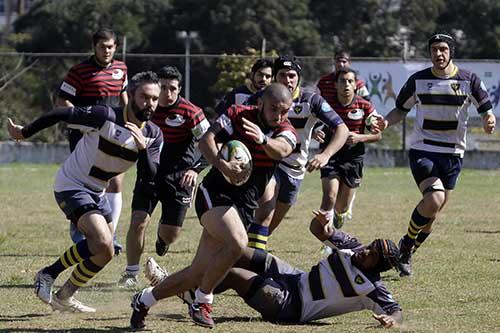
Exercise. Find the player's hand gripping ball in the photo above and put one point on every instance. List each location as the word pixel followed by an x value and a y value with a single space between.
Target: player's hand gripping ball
pixel 235 150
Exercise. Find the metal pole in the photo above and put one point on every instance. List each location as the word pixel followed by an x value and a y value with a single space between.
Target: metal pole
pixel 124 48
pixel 263 48
pixel 403 132
pixel 187 68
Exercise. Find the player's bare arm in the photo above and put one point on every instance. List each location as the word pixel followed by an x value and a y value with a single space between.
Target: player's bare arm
pixel 15 131
pixel 276 148
pixel 380 124
pixel 389 321
pixel 337 141
pixel 320 227
pixel 209 147
pixel 136 133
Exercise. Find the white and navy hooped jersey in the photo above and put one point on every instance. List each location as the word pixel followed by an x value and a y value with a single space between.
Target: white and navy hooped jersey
pixel 107 148
pixel 442 108
pixel 305 111
pixel 335 286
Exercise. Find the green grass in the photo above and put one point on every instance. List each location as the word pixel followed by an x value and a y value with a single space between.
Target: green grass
pixel 456 287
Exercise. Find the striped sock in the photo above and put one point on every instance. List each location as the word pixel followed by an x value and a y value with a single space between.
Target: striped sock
pixel 84 272
pixel 421 237
pixel 416 224
pixel 257 236
pixel 74 255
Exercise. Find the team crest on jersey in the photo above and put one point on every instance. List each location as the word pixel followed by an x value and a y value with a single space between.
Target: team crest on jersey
pixel 175 120
pixel 455 86
pixel 325 107
pixel 297 108
pixel 117 74
pixel 429 85
pixel 359 279
pixel 117 134
pixel 355 114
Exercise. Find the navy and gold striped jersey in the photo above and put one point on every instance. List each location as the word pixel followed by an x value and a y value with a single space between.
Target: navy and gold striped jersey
pixel 327 86
pixel 442 108
pixel 88 83
pixel 239 96
pixel 335 286
pixel 182 125
pixel 106 149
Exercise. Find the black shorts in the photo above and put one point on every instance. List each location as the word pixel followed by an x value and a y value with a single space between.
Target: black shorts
pixel 175 200
pixel 207 199
pixel 347 169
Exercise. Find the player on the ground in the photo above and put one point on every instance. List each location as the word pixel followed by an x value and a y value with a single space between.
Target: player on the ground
pixel 308 108
pixel 99 80
pixel 114 140
pixel 260 77
pixel 348 280
pixel 441 95
pixel 344 171
pixel 223 208
pixel 182 124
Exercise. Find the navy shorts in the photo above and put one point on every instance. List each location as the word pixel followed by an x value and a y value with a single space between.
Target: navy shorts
pixel 76 203
pixel 175 200
pixel 425 164
pixel 278 298
pixel 288 187
pixel 347 169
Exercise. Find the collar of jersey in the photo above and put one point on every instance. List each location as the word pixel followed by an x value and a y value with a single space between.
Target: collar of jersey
pixel 453 73
pixel 296 93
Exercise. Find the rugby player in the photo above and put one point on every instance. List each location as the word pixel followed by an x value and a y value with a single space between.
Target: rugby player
pixel 260 77
pixel 114 139
pixel 99 80
pixel 307 109
pixel 182 124
pixel 441 95
pixel 344 171
pixel 223 208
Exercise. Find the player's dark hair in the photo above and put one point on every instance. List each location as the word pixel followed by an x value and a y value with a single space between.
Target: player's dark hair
pixel 442 37
pixel 261 63
pixel 170 73
pixel 388 254
pixel 140 79
pixel 342 54
pixel 103 34
pixel 345 70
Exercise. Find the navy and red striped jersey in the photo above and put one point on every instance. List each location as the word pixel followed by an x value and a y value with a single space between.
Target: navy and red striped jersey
pixel 88 83
pixel 327 86
pixel 232 123
pixel 182 125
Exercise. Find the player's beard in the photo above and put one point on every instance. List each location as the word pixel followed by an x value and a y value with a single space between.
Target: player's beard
pixel 142 114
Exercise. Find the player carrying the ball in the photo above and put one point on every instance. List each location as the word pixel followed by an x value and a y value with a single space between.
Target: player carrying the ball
pixel 224 208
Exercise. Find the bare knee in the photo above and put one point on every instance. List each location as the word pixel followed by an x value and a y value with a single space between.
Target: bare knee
pixel 434 201
pixel 103 247
pixel 139 221
pixel 169 234
pixel 235 247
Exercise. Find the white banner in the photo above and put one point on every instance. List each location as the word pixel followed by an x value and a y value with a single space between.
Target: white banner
pixel 384 79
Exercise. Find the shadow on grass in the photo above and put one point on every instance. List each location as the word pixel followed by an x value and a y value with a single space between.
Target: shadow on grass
pixel 31 255
pixel 24 317
pixel 75 330
pixel 484 231
pixel 11 286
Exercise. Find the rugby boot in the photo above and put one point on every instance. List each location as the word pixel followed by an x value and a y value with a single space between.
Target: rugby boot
pixel 405 260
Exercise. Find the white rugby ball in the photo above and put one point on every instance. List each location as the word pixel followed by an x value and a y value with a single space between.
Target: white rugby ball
pixel 236 150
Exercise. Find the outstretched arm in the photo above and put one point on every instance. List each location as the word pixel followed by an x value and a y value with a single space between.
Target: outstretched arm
pixel 387 321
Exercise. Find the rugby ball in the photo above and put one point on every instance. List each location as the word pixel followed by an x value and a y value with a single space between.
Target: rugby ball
pixel 237 151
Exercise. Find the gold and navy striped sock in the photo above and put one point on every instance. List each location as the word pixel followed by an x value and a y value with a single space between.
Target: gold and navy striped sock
pixel 416 224
pixel 84 272
pixel 74 255
pixel 421 237
pixel 257 236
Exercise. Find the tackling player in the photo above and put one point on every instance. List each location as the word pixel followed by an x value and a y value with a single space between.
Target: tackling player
pixel 442 95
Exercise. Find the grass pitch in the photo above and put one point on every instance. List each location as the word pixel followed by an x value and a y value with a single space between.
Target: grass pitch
pixel 456 287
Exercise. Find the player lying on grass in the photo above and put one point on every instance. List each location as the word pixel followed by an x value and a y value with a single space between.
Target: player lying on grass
pixel 348 280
